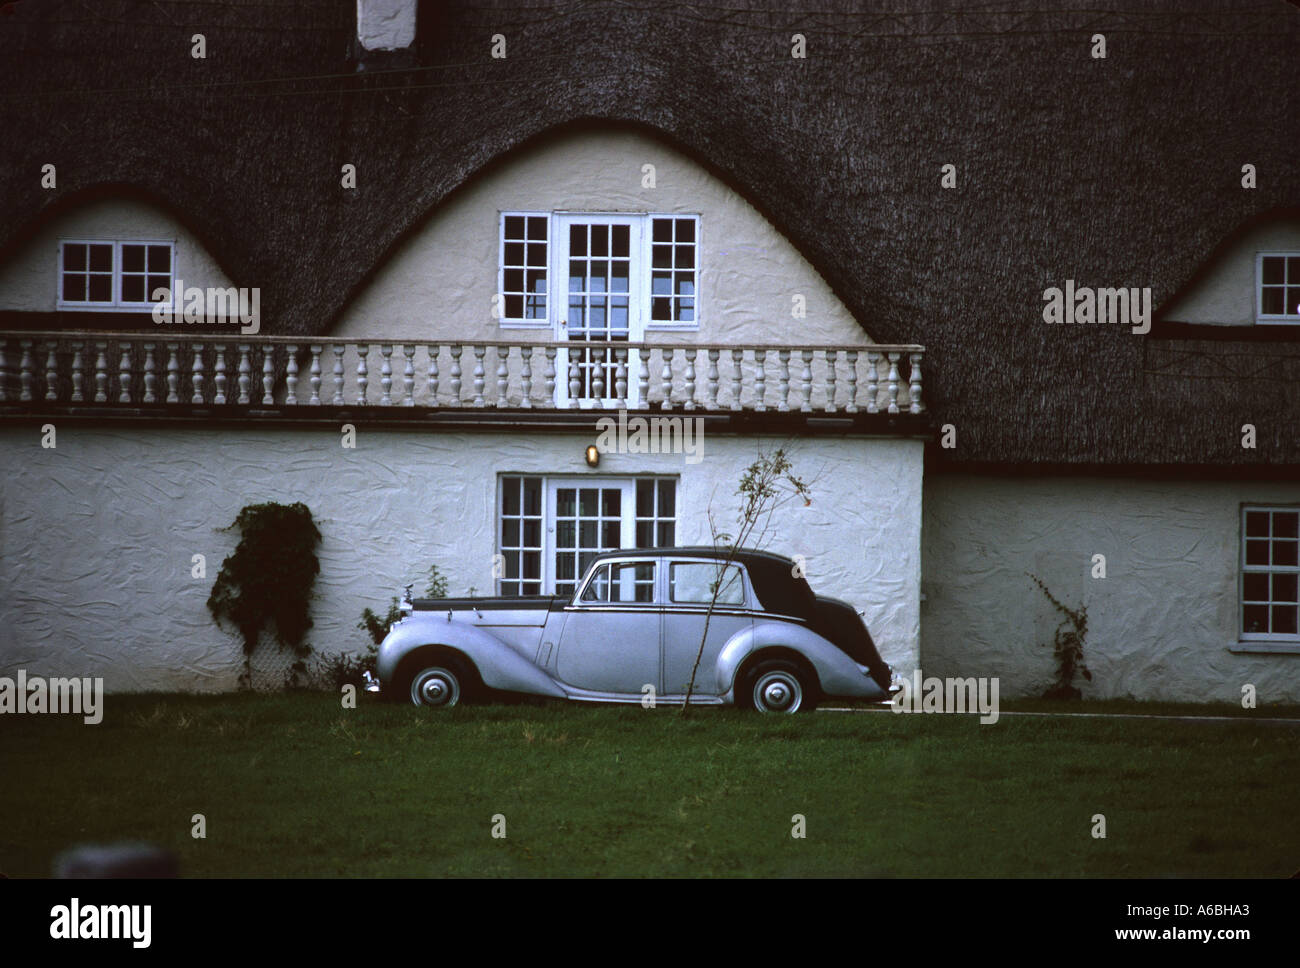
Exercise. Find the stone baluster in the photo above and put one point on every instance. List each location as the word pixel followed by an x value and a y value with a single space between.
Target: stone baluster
pixel 479 374
pixel 52 372
pixel 314 378
pixel 575 379
pixel 526 374
pixel 268 374
pixel 830 380
pixel 598 376
pixel 408 375
pixel 433 376
pixel 455 349
pixel 666 377
pixel 711 378
pixel 503 375
pixel 101 373
pixel 363 373
pixel 915 404
pixel 386 374
pixel 150 376
pixel 549 375
pixel 690 378
pixel 245 370
pixel 339 350
pixel 620 377
pixel 220 370
pixel 4 370
pixel 196 375
pixel 124 373
pixel 852 357
pixel 173 372
pixel 760 380
pixel 805 381
pixel 737 359
pixel 25 374
pixel 643 379
pixel 893 382
pixel 873 382
pixel 784 357
pixel 291 376
pixel 78 372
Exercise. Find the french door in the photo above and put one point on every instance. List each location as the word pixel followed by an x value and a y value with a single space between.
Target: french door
pixel 588 517
pixel 598 257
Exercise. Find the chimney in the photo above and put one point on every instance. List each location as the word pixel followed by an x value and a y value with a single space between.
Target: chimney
pixel 385 24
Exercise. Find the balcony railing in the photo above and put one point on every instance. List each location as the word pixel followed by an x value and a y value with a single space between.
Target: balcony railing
pixel 99 370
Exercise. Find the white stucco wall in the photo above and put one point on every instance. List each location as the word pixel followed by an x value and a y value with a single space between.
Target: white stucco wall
pixel 97 535
pixel 1226 295
pixel 440 282
pixel 29 281
pixel 1160 623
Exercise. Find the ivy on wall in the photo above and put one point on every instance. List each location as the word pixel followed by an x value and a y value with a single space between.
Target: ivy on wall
pixel 268 579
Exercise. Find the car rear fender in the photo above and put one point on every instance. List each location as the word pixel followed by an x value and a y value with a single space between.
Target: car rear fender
pixel 837 674
pixel 498 665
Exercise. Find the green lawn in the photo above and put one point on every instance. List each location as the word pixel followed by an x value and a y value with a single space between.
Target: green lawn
pixel 293 784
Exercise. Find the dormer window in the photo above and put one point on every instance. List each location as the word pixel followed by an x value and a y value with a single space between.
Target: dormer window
pixel 1278 288
pixel 98 274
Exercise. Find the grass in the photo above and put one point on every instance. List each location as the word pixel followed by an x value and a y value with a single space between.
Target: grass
pixel 295 785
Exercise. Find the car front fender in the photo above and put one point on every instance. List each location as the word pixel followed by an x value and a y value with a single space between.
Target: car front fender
pixel 837 674
pixel 498 665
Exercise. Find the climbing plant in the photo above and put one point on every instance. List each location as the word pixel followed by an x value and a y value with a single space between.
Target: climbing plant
pixel 1067 647
pixel 268 579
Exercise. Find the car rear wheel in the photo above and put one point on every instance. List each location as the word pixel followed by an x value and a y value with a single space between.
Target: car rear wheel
pixel 441 685
pixel 778 686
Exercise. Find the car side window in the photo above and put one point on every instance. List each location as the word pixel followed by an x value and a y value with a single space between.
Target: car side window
pixel 622 582
pixel 693 582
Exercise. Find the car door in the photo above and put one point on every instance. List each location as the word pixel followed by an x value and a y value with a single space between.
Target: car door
pixel 610 641
pixel 688 587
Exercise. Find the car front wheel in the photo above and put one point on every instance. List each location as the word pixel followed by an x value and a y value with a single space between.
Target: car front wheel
pixel 780 687
pixel 442 686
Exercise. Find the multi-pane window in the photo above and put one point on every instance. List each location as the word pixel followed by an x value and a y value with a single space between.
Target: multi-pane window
pixel 598 275
pixel 552 528
pixel 673 270
pixel 1279 287
pixel 521 535
pixel 656 512
pixel 95 274
pixel 1270 570
pixel 588 520
pixel 524 257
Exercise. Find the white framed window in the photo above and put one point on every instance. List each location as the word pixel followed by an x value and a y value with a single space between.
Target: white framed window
pixel 108 275
pixel 578 272
pixel 524 262
pixel 1270 571
pixel 550 528
pixel 1277 288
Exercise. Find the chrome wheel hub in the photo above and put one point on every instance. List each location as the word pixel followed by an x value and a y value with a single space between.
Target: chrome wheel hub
pixel 435 687
pixel 777 692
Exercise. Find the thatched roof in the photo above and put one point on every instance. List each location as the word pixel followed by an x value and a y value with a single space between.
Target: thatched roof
pixel 1117 172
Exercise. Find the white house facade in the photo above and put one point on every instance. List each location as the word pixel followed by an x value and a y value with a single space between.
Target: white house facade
pixel 425 277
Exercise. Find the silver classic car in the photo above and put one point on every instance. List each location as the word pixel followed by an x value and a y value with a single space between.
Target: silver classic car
pixel 632 632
